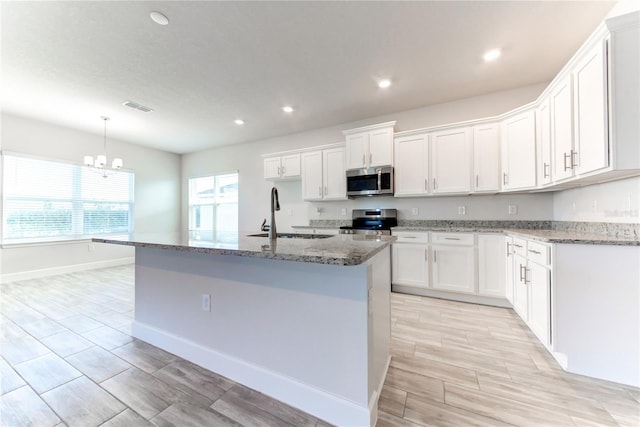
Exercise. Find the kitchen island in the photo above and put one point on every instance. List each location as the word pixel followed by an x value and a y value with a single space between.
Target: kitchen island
pixel 306 321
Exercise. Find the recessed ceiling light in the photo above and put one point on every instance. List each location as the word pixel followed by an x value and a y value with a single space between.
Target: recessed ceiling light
pixel 287 109
pixel 383 84
pixel 492 54
pixel 239 121
pixel 159 18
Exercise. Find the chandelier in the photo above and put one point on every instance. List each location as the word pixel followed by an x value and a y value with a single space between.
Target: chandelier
pixel 100 162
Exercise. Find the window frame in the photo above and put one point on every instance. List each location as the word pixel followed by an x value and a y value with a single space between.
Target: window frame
pixel 196 234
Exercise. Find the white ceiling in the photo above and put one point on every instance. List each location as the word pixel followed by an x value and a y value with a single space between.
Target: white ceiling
pixel 71 62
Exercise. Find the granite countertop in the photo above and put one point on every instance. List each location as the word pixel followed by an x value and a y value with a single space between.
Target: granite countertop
pixel 343 250
pixel 543 235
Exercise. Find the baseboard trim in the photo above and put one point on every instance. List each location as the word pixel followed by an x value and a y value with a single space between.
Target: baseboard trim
pixel 453 296
pixel 36 274
pixel 319 403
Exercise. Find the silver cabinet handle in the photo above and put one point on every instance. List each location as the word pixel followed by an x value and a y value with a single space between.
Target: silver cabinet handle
pixel 279 173
pixel 535 252
pixel 516 245
pixel 545 170
pixel 370 159
pixel 410 237
pixel 426 255
pixel 522 267
pixel 525 275
pixel 508 248
pixel 426 184
pixel 566 156
pixel 320 191
pixel 574 156
pixel 282 169
pixel 504 178
pixel 325 191
pixel 477 181
pixel 434 184
pixel 451 238
pixel 363 160
pixel 435 259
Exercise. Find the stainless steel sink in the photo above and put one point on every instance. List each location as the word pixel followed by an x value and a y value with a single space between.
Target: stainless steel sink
pixel 293 235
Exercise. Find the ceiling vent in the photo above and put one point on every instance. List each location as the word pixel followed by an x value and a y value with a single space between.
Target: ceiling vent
pixel 137 106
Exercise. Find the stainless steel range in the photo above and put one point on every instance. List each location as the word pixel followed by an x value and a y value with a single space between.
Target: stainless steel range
pixel 374 222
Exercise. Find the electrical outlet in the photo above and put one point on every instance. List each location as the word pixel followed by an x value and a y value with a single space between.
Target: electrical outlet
pixel 594 205
pixel 343 212
pixel 90 248
pixel 462 210
pixel 289 212
pixel 414 211
pixel 206 302
pixel 513 209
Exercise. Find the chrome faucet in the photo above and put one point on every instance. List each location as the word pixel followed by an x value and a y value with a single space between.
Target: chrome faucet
pixel 275 206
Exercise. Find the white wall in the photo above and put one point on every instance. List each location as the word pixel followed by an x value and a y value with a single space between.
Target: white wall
pixel 157 194
pixel 616 201
pixel 254 190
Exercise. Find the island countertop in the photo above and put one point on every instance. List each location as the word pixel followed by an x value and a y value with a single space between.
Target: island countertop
pixel 343 250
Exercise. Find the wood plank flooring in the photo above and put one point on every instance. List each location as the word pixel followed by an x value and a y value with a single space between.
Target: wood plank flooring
pixel 68 358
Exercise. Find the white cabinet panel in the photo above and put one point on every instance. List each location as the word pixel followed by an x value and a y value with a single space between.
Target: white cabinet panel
pixel 543 122
pixel 451 161
pixel 410 264
pixel 509 278
pixel 370 146
pixel 272 168
pixel 381 147
pixel 538 281
pixel 590 102
pixel 286 167
pixel 290 166
pixel 312 175
pixel 562 130
pixel 486 158
pixel 357 150
pixel 454 268
pixel 520 290
pixel 333 173
pixel 411 165
pixel 491 266
pixel 519 151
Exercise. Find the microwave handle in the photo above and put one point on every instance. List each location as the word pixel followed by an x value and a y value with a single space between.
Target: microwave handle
pixel 379 179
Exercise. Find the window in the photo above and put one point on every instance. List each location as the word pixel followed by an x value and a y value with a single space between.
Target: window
pixel 47 201
pixel 213 207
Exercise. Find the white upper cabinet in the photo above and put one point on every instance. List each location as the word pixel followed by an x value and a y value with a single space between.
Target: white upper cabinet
pixel 323 175
pixel 590 112
pixel 370 146
pixel 486 158
pixel 285 167
pixel 519 151
pixel 543 134
pixel 411 154
pixel 562 130
pixel 451 161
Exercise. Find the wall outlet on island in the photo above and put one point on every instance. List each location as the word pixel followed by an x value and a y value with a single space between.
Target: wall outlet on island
pixel 462 210
pixel 343 212
pixel 513 209
pixel 414 211
pixel 206 302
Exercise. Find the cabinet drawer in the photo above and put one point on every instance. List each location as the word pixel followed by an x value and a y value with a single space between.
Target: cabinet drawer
pixel 538 253
pixel 465 239
pixel 519 246
pixel 411 236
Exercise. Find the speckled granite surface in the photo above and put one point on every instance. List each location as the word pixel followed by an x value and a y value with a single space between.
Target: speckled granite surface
pixel 343 250
pixel 586 233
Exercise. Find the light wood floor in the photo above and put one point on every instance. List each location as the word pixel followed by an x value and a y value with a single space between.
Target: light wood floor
pixel 68 358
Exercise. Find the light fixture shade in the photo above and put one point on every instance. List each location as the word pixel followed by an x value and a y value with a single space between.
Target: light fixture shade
pixel 101 161
pixel 117 163
pixel 88 160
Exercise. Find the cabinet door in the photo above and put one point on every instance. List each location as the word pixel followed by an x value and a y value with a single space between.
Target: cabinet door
pixel 381 147
pixel 453 269
pixel 411 171
pixel 543 122
pixel 590 98
pixel 520 289
pixel 509 270
pixel 539 281
pixel 290 166
pixel 334 178
pixel 562 130
pixel 272 168
pixel 451 161
pixel 486 158
pixel 519 151
pixel 410 264
pixel 357 150
pixel 312 175
pixel 491 266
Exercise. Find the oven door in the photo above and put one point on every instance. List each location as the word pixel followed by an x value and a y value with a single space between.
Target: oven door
pixel 370 182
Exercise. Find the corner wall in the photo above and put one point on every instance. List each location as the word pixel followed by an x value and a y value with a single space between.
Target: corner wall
pixel 157 197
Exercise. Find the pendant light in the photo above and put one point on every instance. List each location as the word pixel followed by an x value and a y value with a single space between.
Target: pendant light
pixel 100 162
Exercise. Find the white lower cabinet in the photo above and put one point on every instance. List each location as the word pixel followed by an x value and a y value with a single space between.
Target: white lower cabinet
pixel 520 291
pixel 410 264
pixel 453 268
pixel 491 266
pixel 539 283
pixel 509 270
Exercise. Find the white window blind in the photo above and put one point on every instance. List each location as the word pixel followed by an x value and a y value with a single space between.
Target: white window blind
pixel 46 200
pixel 213 207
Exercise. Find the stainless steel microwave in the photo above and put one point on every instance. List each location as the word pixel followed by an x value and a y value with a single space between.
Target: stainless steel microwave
pixel 375 181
